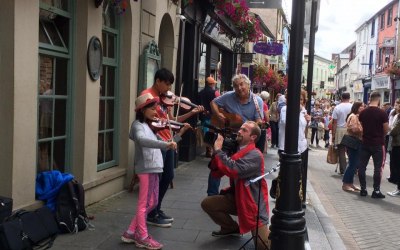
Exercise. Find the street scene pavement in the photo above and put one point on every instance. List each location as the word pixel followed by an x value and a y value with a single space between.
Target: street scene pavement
pixel 334 219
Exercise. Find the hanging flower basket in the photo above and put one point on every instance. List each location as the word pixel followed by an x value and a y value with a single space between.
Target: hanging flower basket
pixel 238 12
pixel 119 5
pixel 269 78
pixel 393 71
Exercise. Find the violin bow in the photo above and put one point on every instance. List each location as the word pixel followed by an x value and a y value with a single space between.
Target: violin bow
pixel 170 129
pixel 179 102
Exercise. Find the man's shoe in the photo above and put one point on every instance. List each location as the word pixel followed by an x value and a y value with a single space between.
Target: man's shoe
pixel 223 233
pixel 165 217
pixel 376 194
pixel 158 222
pixel 394 193
pixel 363 192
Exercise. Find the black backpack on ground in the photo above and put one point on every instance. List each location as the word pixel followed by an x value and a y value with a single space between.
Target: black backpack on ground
pixel 70 208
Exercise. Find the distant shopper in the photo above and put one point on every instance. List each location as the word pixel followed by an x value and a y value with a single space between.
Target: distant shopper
pixel 274 121
pixel 354 129
pixel 395 155
pixel 339 128
pixel 375 123
pixel 206 95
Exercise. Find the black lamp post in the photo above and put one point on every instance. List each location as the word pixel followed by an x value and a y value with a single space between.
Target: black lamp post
pixel 310 70
pixel 288 225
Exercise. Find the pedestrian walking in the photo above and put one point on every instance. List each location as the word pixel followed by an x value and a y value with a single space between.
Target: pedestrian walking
pixel 339 116
pixel 354 129
pixel 274 121
pixel 395 155
pixel 375 124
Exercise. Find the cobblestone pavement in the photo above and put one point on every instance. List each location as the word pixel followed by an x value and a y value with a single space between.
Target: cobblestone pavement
pixel 192 227
pixel 361 222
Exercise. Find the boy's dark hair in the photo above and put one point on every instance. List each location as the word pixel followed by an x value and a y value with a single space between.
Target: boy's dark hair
pixel 164 75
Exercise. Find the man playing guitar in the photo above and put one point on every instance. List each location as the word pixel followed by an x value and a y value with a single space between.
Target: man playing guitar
pixel 233 109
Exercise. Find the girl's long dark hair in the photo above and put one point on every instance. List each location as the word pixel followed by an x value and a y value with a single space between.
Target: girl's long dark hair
pixel 354 109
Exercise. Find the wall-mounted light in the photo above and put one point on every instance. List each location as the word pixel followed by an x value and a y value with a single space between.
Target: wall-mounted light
pixel 396 19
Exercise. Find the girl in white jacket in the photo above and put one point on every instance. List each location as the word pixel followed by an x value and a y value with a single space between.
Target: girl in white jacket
pixel 148 165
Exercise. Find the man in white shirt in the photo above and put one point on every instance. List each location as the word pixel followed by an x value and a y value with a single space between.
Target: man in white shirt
pixel 339 116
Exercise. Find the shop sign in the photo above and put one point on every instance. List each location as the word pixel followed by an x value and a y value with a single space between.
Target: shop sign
pixel 358 87
pixel 273 59
pixel 268 48
pixel 270 4
pixel 246 57
pixel 380 82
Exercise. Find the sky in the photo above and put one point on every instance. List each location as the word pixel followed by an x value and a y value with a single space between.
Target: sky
pixel 338 20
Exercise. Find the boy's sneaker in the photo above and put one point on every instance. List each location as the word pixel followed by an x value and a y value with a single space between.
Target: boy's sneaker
pixel 149 243
pixel 158 222
pixel 363 192
pixel 394 193
pixel 129 238
pixel 376 194
pixel 165 217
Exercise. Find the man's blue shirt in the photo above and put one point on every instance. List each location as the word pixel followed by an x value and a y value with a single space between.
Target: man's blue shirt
pixel 231 104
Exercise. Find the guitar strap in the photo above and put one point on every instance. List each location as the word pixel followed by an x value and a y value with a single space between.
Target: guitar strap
pixel 257 106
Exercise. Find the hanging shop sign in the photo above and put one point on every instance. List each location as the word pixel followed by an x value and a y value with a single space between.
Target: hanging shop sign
pixel 246 57
pixel 268 48
pixel 273 59
pixel 380 82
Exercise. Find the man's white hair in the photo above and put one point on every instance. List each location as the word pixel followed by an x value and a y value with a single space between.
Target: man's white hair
pixel 241 76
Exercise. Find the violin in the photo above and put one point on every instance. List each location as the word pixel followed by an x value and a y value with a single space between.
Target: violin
pixel 159 124
pixel 170 99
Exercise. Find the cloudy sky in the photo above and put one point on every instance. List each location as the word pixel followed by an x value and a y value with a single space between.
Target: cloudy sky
pixel 338 21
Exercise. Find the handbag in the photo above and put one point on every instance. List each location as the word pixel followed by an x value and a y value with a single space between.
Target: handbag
pixel 350 142
pixel 332 156
pixel 29 230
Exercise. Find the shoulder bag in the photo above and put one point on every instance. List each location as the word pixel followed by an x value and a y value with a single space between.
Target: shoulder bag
pixel 351 142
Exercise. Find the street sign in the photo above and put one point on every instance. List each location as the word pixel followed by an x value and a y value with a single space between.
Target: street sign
pixel 268 48
pixel 331 66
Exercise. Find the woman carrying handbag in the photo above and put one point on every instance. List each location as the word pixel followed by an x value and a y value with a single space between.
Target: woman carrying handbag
pixel 354 129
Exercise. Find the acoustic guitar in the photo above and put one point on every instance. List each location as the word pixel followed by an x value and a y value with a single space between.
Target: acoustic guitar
pixel 233 121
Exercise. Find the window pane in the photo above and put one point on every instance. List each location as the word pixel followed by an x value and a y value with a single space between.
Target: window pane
pixel 102 114
pixel 109 146
pixel 111 46
pixel 43 38
pixel 53 34
pixel 105 44
pixel 60 4
pixel 108 15
pixel 110 81
pixel 60 117
pixel 45 117
pixel 100 149
pixel 59 155
pixel 44 156
pixel 61 76
pixel 102 81
pixel 110 114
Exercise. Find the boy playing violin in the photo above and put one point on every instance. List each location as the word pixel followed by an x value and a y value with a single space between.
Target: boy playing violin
pixel 163 81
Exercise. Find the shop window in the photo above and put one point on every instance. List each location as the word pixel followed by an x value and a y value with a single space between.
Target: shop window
pixel 53 86
pixel 107 142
